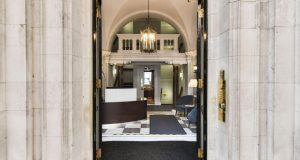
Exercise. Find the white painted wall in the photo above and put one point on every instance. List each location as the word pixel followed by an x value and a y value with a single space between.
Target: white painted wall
pixel 138 74
pixel 166 81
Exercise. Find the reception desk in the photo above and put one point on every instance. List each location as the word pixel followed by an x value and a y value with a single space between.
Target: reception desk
pixel 120 112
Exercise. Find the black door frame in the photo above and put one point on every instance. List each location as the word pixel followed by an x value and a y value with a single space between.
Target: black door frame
pixel 202 70
pixel 202 48
pixel 97 78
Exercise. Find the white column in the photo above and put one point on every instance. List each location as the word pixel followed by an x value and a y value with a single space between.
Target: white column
pixel 297 84
pixel 34 79
pixel 82 80
pixel 15 79
pixel 285 11
pixel 248 71
pixel 191 58
pixel 133 44
pixel 162 44
pixel 120 44
pixel 176 44
pixel 157 85
pixel 3 123
pixel 53 51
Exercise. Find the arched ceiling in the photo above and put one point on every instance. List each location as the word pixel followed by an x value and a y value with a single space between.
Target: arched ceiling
pixel 179 13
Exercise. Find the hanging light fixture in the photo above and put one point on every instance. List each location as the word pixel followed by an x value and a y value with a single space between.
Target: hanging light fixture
pixel 148 37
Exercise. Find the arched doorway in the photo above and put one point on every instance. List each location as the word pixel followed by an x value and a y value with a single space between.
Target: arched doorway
pixel 201 75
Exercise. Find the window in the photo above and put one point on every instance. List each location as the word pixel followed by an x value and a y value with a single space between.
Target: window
pixel 123 47
pixel 127 44
pixel 169 44
pixel 147 78
pixel 137 44
pixel 158 44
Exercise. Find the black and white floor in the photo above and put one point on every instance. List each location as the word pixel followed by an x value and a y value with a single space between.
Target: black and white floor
pixel 139 130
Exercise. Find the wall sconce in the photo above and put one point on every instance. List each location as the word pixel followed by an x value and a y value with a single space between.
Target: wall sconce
pixel 94 36
pixel 181 75
pixel 222 96
pixel 204 35
pixel 193 83
pixel 195 68
pixel 114 71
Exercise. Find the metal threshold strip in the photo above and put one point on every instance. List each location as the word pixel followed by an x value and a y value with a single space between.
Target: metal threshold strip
pixel 148 137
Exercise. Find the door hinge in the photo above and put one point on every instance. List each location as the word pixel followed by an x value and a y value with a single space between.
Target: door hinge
pixel 98 153
pixel 98 83
pixel 200 153
pixel 98 12
pixel 200 83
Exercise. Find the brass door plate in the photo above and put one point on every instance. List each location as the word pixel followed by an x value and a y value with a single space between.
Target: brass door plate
pixel 98 84
pixel 200 83
pixel 98 153
pixel 200 153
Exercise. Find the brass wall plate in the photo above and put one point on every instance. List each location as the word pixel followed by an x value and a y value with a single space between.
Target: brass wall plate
pixel 222 96
pixel 221 114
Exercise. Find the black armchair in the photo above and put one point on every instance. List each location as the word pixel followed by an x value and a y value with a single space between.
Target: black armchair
pixel 192 116
pixel 182 101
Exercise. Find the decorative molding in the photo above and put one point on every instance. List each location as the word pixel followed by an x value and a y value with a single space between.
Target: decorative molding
pixel 169 58
pixel 135 37
pixel 191 53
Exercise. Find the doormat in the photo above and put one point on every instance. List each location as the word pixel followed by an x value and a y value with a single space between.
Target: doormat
pixel 165 124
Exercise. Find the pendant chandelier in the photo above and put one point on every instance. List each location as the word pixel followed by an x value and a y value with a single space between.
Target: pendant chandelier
pixel 148 37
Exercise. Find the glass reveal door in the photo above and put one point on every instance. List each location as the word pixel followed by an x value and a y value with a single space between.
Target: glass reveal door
pixel 149 86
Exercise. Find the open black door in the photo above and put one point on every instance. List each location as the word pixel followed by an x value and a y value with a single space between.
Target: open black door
pixel 202 80
pixel 97 80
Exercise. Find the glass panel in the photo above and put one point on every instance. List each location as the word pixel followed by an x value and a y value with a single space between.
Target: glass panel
pixel 123 44
pixel 147 78
pixel 137 44
pixel 130 44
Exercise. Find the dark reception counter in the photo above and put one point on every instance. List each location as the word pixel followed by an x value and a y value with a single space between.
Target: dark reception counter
pixel 120 112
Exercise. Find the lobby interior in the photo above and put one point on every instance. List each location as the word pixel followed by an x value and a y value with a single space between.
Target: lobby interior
pixel 58 58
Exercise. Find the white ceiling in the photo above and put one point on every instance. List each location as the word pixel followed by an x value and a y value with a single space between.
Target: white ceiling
pixel 179 13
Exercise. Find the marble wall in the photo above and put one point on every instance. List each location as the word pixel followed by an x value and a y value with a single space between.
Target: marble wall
pixel 255 42
pixel 45 79
pixel 3 141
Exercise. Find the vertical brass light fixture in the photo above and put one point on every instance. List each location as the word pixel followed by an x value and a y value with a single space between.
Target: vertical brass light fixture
pixel 148 37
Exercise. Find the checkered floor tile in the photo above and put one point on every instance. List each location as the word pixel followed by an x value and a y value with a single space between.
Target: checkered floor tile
pixel 142 127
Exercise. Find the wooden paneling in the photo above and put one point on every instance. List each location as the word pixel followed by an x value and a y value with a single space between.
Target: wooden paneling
pixel 119 112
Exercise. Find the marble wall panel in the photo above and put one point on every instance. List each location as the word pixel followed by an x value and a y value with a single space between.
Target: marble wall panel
pixel 248 148
pixel 15 13
pixel 249 42
pixel 283 148
pixel 3 132
pixel 248 69
pixel 15 53
pixel 248 14
pixel 16 134
pixel 284 12
pixel 284 54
